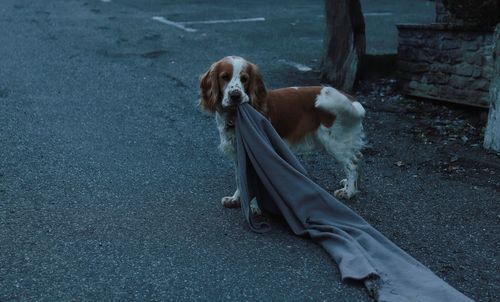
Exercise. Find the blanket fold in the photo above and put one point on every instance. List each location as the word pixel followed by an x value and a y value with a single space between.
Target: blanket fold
pixel 269 172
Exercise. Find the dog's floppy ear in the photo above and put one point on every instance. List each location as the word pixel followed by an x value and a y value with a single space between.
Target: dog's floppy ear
pixel 257 89
pixel 209 90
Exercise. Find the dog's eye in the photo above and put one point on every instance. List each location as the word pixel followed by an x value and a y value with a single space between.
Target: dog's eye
pixel 225 77
pixel 244 79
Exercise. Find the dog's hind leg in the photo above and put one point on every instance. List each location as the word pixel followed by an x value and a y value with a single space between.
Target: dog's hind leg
pixel 345 139
pixel 351 184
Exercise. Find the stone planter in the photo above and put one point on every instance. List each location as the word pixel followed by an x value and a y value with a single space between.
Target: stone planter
pixel 446 62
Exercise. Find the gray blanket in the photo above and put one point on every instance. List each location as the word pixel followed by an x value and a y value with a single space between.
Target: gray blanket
pixel 269 172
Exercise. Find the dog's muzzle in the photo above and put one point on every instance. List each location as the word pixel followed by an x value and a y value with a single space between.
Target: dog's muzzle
pixel 235 96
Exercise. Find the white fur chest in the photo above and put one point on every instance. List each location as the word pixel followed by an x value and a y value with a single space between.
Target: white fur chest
pixel 227 136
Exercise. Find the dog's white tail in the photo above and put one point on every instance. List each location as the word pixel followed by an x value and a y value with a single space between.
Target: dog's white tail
pixel 334 102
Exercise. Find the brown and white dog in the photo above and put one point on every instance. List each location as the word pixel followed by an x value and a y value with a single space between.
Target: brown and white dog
pixel 315 116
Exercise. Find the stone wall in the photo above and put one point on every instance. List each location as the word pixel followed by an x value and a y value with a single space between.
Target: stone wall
pixel 468 13
pixel 444 62
pixel 444 16
pixel 492 133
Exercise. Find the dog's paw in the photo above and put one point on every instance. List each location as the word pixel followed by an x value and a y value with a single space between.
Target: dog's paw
pixel 344 194
pixel 254 208
pixel 230 202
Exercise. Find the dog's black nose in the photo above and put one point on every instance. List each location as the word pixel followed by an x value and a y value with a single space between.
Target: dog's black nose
pixel 235 95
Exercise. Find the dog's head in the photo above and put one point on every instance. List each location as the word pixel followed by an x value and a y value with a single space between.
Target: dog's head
pixel 231 81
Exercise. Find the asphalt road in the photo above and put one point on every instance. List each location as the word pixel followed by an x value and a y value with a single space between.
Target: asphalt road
pixel 110 179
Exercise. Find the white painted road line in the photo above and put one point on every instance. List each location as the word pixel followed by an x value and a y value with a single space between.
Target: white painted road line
pixel 225 21
pixel 300 67
pixel 377 14
pixel 174 24
pixel 181 25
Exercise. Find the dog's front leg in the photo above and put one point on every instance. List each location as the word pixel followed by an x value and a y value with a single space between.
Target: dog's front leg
pixel 233 201
pixel 228 147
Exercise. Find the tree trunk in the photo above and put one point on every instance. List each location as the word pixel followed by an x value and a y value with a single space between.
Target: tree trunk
pixel 344 43
pixel 492 134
